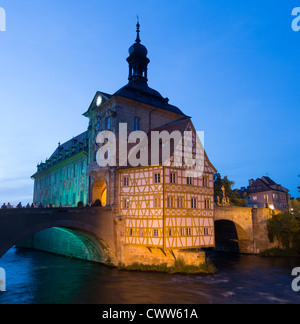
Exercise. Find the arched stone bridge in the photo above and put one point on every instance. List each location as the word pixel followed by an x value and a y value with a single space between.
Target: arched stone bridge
pixel 242 229
pixel 94 225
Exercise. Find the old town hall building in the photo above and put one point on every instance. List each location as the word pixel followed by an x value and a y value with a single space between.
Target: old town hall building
pixel 161 205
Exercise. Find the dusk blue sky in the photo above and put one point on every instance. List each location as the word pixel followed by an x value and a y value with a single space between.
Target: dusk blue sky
pixel 231 65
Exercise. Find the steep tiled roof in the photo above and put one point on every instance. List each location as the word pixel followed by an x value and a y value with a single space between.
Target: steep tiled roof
pixel 73 146
pixel 142 93
pixel 265 184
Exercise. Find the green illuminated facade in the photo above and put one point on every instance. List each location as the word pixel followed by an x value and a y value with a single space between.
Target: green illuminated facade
pixel 63 178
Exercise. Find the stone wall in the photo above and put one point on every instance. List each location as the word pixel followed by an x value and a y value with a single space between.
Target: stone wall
pixel 154 256
pixel 260 218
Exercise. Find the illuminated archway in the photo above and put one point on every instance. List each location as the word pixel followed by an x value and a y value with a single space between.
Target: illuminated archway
pixel 100 192
pixel 68 242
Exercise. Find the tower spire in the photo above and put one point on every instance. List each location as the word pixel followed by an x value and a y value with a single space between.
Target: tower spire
pixel 138 40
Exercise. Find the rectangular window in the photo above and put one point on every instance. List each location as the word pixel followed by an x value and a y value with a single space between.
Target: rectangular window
pixel 108 123
pixel 126 203
pixel 172 178
pixel 180 202
pixel 125 182
pixel 170 202
pixel 141 232
pixel 68 173
pixel 205 182
pixel 155 233
pixel 157 178
pixel 170 232
pixel 189 181
pixel 194 203
pixel 182 231
pixel 131 232
pixel 207 204
pixel 137 124
pixel 83 166
pixel 156 202
pixel 75 170
pixel 206 231
pixel 188 232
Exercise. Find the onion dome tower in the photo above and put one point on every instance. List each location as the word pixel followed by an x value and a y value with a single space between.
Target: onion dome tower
pixel 138 60
pixel 137 88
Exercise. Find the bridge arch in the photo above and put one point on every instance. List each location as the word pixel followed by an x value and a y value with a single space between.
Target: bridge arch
pixel 234 229
pixel 69 242
pixel 93 227
pixel 231 237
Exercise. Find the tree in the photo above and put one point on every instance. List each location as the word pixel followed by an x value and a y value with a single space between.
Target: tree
pixel 295 207
pixel 235 198
pixel 285 229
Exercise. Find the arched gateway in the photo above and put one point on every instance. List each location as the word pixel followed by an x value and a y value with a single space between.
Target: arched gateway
pixel 99 192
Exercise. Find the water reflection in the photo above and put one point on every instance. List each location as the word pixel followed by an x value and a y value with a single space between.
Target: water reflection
pixel 37 277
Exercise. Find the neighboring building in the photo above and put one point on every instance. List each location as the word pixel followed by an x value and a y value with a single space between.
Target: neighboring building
pixel 264 193
pixel 162 206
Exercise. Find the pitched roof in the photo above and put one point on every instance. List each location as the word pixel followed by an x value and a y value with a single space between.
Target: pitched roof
pixel 71 147
pixel 265 184
pixel 268 181
pixel 141 92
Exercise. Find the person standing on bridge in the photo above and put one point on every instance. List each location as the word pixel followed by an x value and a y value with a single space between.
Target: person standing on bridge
pixel 4 206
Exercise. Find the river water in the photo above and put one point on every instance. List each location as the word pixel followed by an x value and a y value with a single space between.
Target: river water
pixel 34 277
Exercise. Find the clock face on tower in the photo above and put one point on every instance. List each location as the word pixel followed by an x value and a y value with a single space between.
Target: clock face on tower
pixel 99 101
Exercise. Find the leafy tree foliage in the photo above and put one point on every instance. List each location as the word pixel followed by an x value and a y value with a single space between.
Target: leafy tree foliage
pixel 285 229
pixel 295 207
